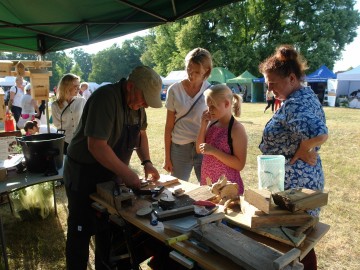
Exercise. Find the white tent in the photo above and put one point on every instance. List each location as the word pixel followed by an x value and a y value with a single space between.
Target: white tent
pixel 348 82
pixel 93 86
pixel 9 81
pixel 174 76
pixel 351 75
pixel 349 85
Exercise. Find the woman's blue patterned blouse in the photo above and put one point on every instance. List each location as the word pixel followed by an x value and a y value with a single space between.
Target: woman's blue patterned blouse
pixel 301 117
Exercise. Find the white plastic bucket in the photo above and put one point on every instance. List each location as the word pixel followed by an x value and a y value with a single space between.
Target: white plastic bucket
pixel 271 172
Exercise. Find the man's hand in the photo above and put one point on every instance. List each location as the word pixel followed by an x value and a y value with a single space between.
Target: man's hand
pixel 131 179
pixel 151 173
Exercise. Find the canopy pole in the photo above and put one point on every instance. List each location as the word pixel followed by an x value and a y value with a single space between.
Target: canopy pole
pixel 41 58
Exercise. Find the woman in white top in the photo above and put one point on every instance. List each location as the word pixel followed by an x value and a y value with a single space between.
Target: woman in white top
pixel 29 107
pixel 67 109
pixel 28 104
pixel 16 93
pixel 185 105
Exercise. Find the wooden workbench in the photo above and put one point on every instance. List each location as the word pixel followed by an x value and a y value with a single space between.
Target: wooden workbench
pixel 208 260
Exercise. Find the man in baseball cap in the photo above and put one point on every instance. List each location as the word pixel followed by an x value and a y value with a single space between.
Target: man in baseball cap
pixel 113 124
pixel 149 82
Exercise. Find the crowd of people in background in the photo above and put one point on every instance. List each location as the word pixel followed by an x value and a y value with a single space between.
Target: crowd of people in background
pixel 201 133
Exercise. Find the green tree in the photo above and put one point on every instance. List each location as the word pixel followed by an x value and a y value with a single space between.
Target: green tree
pixel 116 62
pixel 76 69
pixel 243 34
pixel 83 59
pixel 61 64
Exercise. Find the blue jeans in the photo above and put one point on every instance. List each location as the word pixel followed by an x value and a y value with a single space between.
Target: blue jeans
pixel 184 158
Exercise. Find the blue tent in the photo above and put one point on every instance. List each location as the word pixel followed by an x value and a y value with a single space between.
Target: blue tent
pixel 320 75
pixel 259 80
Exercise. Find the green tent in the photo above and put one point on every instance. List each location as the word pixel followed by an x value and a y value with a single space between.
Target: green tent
pixel 255 92
pixel 46 26
pixel 245 77
pixel 220 75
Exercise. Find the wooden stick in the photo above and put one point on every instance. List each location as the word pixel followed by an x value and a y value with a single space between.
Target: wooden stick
pixel 286 259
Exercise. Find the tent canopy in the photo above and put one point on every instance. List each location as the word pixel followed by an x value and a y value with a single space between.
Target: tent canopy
pixel 174 76
pixel 351 75
pixel 322 74
pixel 220 75
pixel 245 77
pixel 45 26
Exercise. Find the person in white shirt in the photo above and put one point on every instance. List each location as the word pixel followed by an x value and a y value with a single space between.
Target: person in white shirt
pixel 185 105
pixel 85 89
pixel 29 107
pixel 68 107
pixel 16 93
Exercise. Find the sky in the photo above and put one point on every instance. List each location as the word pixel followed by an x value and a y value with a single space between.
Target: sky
pixel 350 55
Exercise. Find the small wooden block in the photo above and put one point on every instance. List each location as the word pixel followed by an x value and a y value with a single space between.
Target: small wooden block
pixel 106 192
pixel 260 198
pixel 165 180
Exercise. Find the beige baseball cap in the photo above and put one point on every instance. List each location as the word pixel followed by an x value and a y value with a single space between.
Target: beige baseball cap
pixel 147 80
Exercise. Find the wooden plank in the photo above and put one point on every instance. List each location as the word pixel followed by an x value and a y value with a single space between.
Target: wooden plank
pixel 283 235
pixel 33 63
pixel 241 249
pixel 312 202
pixel 260 198
pixel 249 209
pixel 301 199
pixel 295 219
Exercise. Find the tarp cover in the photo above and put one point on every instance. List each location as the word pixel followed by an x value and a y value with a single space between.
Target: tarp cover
pixel 220 75
pixel 43 26
pixel 321 75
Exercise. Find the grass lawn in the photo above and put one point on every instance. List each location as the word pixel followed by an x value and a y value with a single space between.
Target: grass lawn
pixel 40 244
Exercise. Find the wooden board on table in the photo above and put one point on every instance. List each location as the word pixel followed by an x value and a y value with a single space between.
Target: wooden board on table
pixel 241 249
pixel 281 234
pixel 165 180
pixel 300 199
pixel 260 198
pixel 269 221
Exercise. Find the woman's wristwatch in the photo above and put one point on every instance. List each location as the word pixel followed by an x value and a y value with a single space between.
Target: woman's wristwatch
pixel 146 161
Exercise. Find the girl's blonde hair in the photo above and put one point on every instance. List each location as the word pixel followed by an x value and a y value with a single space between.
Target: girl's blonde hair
pixel 64 87
pixel 219 92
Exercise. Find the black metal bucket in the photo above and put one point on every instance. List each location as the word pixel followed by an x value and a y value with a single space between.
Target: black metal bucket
pixel 43 152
